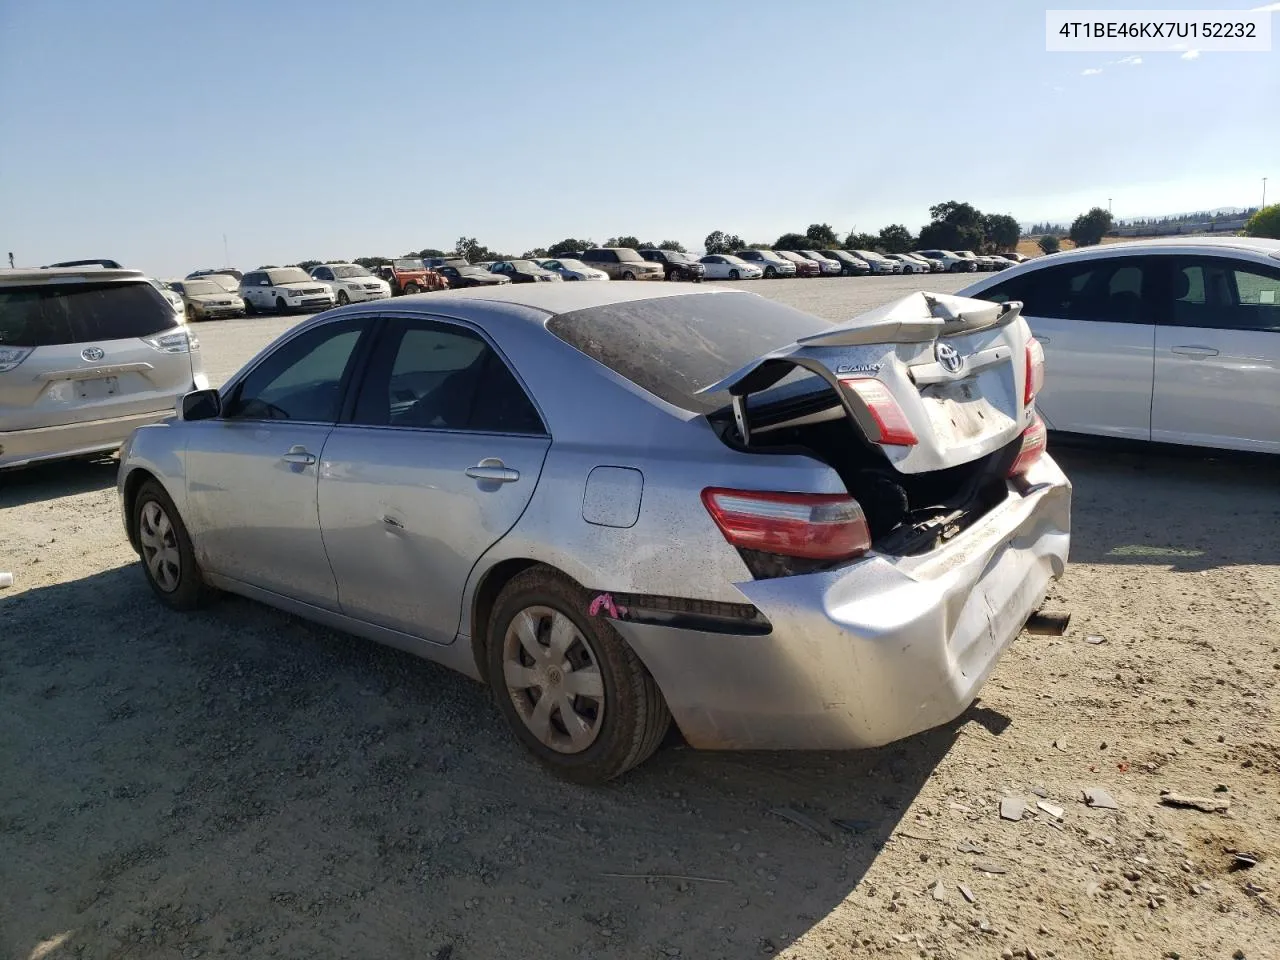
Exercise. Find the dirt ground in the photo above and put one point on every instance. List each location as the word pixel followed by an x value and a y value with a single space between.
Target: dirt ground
pixel 241 783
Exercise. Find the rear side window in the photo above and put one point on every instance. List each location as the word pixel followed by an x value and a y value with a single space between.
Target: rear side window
pixel 44 316
pixel 1115 291
pixel 1216 293
pixel 674 346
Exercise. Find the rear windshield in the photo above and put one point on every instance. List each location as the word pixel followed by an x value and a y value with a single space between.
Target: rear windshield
pixel 675 346
pixel 44 316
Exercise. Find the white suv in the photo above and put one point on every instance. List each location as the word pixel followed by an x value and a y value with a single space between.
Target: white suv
pixel 282 289
pixel 85 357
pixel 351 283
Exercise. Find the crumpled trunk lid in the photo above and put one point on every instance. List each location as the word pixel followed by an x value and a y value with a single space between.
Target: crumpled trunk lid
pixel 956 368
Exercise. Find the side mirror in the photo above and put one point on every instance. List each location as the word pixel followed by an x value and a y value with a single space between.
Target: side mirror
pixel 201 405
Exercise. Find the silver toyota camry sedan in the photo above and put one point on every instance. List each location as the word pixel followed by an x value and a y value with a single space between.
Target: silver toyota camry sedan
pixel 620 505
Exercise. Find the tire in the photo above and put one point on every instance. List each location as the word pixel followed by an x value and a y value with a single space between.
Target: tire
pixel 281 306
pixel 410 289
pixel 343 299
pixel 770 273
pixel 628 275
pixel 734 275
pixel 629 718
pixel 168 561
pixel 249 308
pixel 191 315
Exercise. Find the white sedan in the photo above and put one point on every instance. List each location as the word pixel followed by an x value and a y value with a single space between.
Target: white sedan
pixel 1174 340
pixel 725 266
pixel 351 283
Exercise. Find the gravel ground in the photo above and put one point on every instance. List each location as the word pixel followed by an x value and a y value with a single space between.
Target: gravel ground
pixel 238 782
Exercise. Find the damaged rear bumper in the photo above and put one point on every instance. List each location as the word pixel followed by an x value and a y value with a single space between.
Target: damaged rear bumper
pixel 872 652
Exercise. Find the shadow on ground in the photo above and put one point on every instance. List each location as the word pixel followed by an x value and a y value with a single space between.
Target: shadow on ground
pixel 1179 509
pixel 52 481
pixel 237 780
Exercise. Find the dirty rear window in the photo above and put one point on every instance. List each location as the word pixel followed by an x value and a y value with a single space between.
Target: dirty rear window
pixel 675 346
pixel 45 315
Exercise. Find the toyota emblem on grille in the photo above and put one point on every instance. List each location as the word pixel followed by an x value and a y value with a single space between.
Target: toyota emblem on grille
pixel 93 353
pixel 948 357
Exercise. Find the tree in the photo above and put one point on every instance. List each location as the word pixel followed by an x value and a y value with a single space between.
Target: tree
pixel 371 263
pixel 896 238
pixel 268 266
pixel 821 237
pixel 569 245
pixel 793 241
pixel 631 242
pixel 673 245
pixel 1264 223
pixel 1002 231
pixel 1088 229
pixel 954 226
pixel 537 253
pixel 429 252
pixel 861 241
pixel 473 251
pixel 1049 244
pixel 717 241
pixel 308 264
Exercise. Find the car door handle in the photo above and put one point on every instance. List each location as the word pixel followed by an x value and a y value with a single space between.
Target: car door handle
pixel 1198 353
pixel 300 455
pixel 493 469
pixel 1038 338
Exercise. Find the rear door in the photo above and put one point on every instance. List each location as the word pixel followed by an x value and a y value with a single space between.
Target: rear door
pixel 1217 358
pixel 436 462
pixel 77 351
pixel 1095 320
pixel 251 490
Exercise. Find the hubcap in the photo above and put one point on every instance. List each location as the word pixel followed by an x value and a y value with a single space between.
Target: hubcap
pixel 159 547
pixel 553 678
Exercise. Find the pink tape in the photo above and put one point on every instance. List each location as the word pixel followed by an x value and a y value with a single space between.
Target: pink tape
pixel 605 601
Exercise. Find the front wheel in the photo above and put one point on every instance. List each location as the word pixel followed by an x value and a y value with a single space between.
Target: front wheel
pixel 410 289
pixel 628 275
pixel 249 308
pixel 343 299
pixel 570 688
pixel 770 273
pixel 168 559
pixel 734 275
pixel 281 306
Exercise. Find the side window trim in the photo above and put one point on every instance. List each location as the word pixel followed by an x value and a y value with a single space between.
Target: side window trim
pixel 230 391
pixel 385 322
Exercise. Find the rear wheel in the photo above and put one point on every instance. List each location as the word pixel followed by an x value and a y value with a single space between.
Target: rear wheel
pixel 167 557
pixel 573 692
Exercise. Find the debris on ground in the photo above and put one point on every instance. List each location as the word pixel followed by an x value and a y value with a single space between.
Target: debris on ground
pixel 1012 808
pixel 1052 809
pixel 6 580
pixel 801 820
pixel 966 893
pixel 1095 639
pixel 1099 799
pixel 854 826
pixel 1169 798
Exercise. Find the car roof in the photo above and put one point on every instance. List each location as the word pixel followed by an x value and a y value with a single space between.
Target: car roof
pixel 27 276
pixel 1258 245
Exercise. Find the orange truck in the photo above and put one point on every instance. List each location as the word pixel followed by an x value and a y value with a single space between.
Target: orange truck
pixel 408 276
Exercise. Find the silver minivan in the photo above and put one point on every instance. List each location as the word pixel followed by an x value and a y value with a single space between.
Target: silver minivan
pixel 85 357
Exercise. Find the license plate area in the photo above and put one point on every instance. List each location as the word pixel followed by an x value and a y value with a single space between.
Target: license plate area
pixel 959 410
pixel 98 388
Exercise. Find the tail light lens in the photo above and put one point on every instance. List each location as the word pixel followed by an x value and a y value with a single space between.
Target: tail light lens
pixel 815 526
pixel 1035 372
pixel 181 342
pixel 884 410
pixel 10 357
pixel 1035 439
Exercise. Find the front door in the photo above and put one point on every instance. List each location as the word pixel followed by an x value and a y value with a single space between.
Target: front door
pixel 1217 369
pixel 251 493
pixel 437 462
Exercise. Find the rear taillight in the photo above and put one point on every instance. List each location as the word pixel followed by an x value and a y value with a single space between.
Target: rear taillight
pixel 10 357
pixel 1035 372
pixel 1035 439
pixel 181 342
pixel 816 526
pixel 884 410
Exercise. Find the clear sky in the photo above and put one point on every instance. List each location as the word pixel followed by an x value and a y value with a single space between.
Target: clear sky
pixel 144 130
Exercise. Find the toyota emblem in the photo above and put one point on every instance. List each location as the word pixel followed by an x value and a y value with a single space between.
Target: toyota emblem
pixel 93 353
pixel 948 357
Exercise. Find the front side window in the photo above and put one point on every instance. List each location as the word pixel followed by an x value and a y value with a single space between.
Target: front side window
pixel 430 375
pixel 302 379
